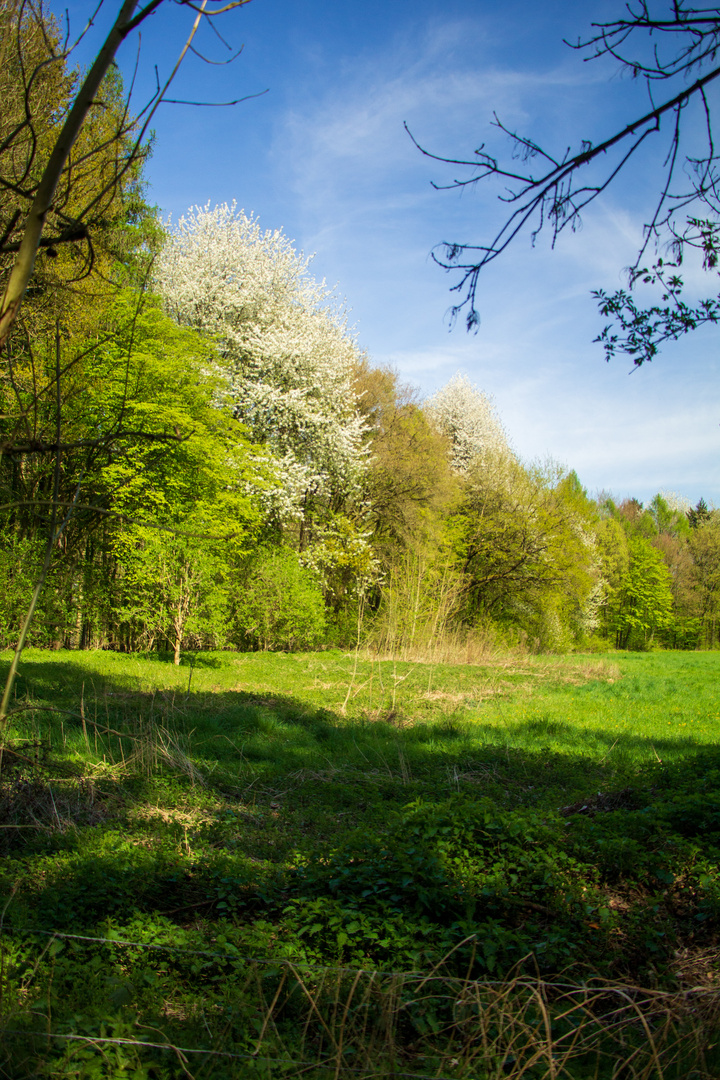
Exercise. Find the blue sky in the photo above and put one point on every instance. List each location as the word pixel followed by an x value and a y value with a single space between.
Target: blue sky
pixel 323 154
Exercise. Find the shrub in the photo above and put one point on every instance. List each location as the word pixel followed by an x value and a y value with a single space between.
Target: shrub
pixel 280 605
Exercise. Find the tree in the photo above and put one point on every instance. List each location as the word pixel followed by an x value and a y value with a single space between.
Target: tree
pixel 467 418
pixel 173 587
pixel 409 484
pixel 281 604
pixel 669 512
pixel 643 603
pixel 46 182
pixel 671 46
pixel 698 514
pixel 612 546
pixel 525 540
pixel 286 349
pixel 50 179
pixel 158 523
pixel 183 519
pixel 409 490
pixel 705 550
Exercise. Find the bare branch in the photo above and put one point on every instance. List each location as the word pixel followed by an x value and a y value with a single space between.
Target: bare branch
pixel 23 268
pixel 554 196
pixel 215 104
pixel 42 203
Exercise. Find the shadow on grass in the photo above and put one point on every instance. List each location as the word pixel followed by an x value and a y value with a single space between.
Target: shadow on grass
pixel 200 805
pixel 242 739
pixel 187 659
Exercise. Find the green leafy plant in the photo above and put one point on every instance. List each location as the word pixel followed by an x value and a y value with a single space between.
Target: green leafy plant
pixel 280 604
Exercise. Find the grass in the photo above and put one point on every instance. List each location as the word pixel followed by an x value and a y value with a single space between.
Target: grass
pixel 291 844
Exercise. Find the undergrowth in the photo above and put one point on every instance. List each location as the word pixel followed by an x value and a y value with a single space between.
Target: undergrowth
pixel 369 869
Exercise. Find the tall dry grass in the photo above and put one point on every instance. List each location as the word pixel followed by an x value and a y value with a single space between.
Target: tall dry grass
pixel 418 618
pixel 511 1028
pixel 348 1023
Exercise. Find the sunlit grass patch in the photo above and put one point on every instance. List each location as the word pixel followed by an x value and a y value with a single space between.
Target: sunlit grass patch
pixel 663 706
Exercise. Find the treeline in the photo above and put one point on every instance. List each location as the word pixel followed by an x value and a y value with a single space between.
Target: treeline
pixel 196 454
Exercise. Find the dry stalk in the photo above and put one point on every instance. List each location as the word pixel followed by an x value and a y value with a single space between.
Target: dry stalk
pixel 517 1028
pixel 512 1028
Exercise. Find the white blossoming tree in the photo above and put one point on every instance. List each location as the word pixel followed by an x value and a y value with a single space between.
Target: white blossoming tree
pixel 284 345
pixel 467 417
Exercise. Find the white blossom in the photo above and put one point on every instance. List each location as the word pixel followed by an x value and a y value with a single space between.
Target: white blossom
pixel 284 344
pixel 679 504
pixel 467 417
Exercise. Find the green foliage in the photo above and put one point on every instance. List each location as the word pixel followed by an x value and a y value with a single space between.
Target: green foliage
pixel 20 561
pixel 343 559
pixel 669 519
pixel 100 192
pixel 212 841
pixel 409 483
pixel 704 547
pixel 164 517
pixel 169 513
pixel 698 514
pixel 460 867
pixel 644 602
pixel 190 521
pixel 279 604
pixel 525 541
pixel 684 543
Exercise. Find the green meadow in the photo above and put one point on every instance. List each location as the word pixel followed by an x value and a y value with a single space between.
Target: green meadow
pixel 265 864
